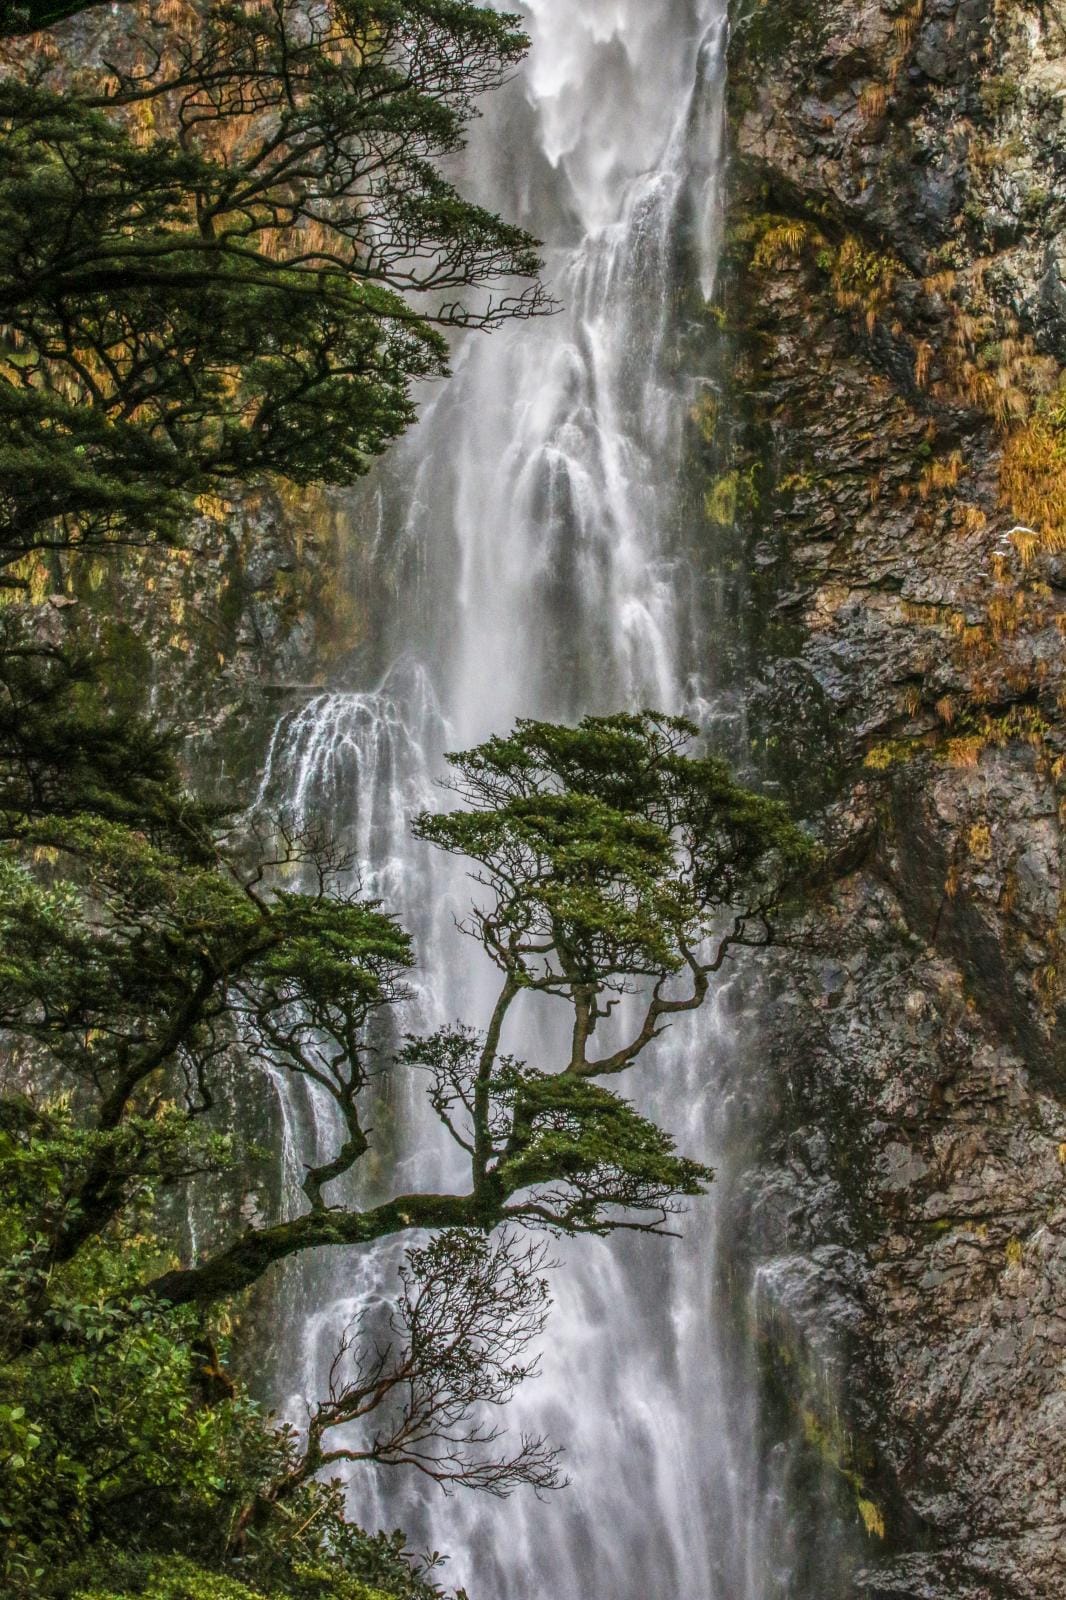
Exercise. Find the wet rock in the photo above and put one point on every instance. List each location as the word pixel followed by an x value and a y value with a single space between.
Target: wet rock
pixel 1053 287
pixel 922 1042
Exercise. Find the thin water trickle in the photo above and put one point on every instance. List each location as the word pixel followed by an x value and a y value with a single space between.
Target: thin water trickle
pixel 533 528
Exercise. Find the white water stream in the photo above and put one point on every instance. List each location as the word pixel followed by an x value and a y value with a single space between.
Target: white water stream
pixel 534 561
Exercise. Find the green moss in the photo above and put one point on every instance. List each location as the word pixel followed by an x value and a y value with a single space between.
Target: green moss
pixel 704 415
pixel 825 1434
pixel 720 501
pixel 796 483
pixel 872 1518
pixel 999 94
pixel 766 29
pixel 891 753
pixel 730 493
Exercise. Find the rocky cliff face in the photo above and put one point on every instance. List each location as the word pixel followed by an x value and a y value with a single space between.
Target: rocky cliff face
pixel 897 310
pixel 218 637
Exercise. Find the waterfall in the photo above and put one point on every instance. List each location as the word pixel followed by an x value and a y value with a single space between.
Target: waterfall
pixel 536 559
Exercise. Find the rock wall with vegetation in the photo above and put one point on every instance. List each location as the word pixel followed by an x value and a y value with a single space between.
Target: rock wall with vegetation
pixel 893 450
pixel 217 637
pixel 896 306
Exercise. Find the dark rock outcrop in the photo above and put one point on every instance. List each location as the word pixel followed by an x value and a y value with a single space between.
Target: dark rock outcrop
pixel 897 310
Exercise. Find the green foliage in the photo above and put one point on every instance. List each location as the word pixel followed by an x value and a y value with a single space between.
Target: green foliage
pixel 116 1429
pixel 174 1578
pixel 567 1150
pixel 613 843
pixel 181 315
pixel 121 1441
pixel 65 753
pixel 572 1135
pixel 611 863
pixel 134 943
pixel 999 95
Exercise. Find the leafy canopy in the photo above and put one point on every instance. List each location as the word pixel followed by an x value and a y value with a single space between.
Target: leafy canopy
pixel 608 854
pixel 231 252
pixel 130 1462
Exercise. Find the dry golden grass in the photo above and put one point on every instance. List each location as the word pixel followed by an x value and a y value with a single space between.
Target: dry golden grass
pixel 940 283
pixel 923 355
pixel 905 26
pixel 979 841
pixel 943 473
pixel 873 100
pixel 780 244
pixel 1032 482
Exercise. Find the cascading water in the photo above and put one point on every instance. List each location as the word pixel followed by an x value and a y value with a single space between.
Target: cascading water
pixel 540 565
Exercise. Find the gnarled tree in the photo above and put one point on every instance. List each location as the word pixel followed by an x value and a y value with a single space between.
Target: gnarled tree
pixel 142 944
pixel 617 873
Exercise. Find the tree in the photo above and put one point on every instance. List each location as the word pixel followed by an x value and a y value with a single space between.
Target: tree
pixel 469 1309
pixel 127 1459
pixel 134 945
pixel 232 252
pixel 145 941
pixel 607 857
pixel 613 864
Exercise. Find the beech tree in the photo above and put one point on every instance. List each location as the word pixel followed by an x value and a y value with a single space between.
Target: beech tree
pixel 230 251
pixel 616 873
pixel 144 942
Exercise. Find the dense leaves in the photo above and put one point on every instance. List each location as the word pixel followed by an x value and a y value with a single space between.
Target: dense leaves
pixel 551 1148
pixel 609 854
pixel 208 257
pixel 128 1458
pixel 136 949
pixel 613 844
